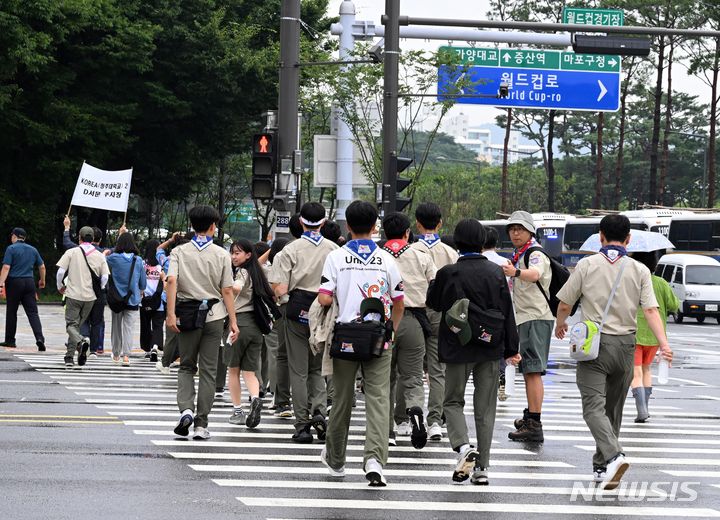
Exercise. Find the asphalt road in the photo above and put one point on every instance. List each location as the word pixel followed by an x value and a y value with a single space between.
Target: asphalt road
pixel 98 441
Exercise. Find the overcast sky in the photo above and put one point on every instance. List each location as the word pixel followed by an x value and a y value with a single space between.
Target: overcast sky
pixel 475 9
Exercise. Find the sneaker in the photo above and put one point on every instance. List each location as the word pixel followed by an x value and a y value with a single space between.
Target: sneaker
pixel 530 431
pixel 616 468
pixel 147 355
pixel 419 434
pixel 163 369
pixel 302 434
pixel 83 347
pixel 320 424
pixel 339 472
pixel 284 410
pixel 253 418
pixel 238 417
pixel 374 474
pixel 480 477
pixel 219 394
pixel 599 473
pixel 392 441
pixel 435 432
pixel 126 361
pixel 465 464
pixel 200 433
pixel 183 425
pixel 40 345
pixel 93 355
pixel 404 429
pixel 69 363
pixel 174 364
pixel 502 396
pixel 8 345
pixel 154 355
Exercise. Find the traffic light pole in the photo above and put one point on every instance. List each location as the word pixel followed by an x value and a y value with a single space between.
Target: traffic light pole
pixel 391 21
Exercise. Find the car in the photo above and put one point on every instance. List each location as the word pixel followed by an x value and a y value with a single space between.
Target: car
pixel 695 280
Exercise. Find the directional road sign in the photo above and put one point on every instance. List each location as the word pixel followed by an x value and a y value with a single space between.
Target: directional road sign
pixel 533 78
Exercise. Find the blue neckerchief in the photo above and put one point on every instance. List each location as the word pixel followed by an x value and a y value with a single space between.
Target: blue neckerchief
pixel 201 242
pixel 313 236
pixel 471 254
pixel 363 248
pixel 429 239
pixel 613 253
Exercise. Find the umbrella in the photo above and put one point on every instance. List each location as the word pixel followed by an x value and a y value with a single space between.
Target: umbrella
pixel 640 241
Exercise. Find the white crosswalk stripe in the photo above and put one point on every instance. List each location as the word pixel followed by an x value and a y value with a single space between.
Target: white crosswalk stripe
pixel 272 476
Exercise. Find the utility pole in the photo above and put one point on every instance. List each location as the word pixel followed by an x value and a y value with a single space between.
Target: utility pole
pixel 288 99
pixel 391 21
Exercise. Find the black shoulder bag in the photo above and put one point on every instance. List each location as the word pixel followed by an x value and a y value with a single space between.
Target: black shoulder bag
pixel 116 302
pixel 95 278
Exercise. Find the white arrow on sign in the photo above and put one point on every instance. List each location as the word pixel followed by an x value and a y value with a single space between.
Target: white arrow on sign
pixel 603 90
pixel 507 58
pixel 612 62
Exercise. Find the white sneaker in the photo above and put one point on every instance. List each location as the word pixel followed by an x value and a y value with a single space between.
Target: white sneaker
pixel 201 433
pixel 465 464
pixel 480 477
pixel 435 432
pixel 616 468
pixel 404 429
pixel 161 368
pixel 373 472
pixel 340 472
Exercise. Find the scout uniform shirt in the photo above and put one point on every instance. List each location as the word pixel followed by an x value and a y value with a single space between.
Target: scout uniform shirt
pixel 530 304
pixel 203 270
pixel 79 281
pixel 416 268
pixel 244 300
pixel 592 281
pixel 359 270
pixel 441 254
pixel 299 265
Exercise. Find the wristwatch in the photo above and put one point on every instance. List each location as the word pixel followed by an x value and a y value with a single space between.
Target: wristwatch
pixel 517 273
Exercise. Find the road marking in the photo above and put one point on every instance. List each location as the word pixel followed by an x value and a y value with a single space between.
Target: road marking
pixel 655 449
pixel 628 429
pixel 69 421
pixel 690 381
pixel 712 397
pixel 101 417
pixel 650 440
pixel 692 473
pixel 409 505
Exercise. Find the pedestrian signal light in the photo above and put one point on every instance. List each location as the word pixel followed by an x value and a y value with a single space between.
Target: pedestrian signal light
pixel 264 165
pixel 401 165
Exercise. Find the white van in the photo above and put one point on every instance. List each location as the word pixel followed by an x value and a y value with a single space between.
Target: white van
pixel 695 280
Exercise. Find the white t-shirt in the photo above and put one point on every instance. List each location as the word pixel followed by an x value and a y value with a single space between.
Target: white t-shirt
pixel 360 270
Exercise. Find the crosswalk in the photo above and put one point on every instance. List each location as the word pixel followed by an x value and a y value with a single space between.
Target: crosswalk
pixel 674 457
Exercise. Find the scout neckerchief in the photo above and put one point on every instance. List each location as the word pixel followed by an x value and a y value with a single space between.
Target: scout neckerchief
pixel 613 253
pixel 313 236
pixel 469 255
pixel 201 242
pixel 396 246
pixel 429 239
pixel 519 252
pixel 362 249
pixel 87 248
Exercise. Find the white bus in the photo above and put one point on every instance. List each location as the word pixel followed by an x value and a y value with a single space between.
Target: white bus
pixel 550 229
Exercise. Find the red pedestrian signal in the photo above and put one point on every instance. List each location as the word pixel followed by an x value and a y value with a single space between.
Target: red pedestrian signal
pixel 264 166
pixel 263 144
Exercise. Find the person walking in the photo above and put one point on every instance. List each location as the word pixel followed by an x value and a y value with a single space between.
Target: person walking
pixel 646 344
pixel 199 297
pixel 357 272
pixel 152 307
pixel 529 270
pixel 477 330
pixel 129 279
pixel 81 277
pixel 18 283
pixel 428 221
pixel 603 382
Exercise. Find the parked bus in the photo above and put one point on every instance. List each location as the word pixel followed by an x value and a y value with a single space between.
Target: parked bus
pixel 550 229
pixel 696 233
pixel 579 229
pixel 657 219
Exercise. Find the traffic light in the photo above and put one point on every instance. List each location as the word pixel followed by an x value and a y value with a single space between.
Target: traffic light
pixel 401 165
pixel 264 165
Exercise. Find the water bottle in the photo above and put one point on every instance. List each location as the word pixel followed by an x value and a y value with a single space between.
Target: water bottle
pixel 510 379
pixel 203 306
pixel 663 369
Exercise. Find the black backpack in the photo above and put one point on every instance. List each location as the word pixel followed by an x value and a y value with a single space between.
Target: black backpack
pixel 152 303
pixel 560 275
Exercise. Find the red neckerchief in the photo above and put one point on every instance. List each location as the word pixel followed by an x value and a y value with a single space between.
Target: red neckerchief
pixel 519 252
pixel 395 246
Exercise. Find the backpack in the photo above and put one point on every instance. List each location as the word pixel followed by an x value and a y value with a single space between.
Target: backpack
pixel 116 302
pixel 152 303
pixel 559 276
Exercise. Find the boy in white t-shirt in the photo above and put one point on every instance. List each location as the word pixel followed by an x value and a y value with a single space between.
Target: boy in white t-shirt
pixel 357 271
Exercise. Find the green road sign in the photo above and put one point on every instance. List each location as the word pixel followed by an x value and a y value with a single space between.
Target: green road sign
pixel 535 59
pixel 244 213
pixel 582 16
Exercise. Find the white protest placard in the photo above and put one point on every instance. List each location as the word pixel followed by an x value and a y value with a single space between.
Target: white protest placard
pixel 102 189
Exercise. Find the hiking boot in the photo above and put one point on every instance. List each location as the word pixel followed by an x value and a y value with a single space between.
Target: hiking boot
pixel 435 432
pixel 519 422
pixel 374 474
pixel 334 472
pixel 253 418
pixel 83 347
pixel 284 410
pixel 465 464
pixel 320 424
pixel 418 437
pixel 599 473
pixel 404 429
pixel 302 434
pixel 480 477
pixel 530 431
pixel 238 417
pixel 616 468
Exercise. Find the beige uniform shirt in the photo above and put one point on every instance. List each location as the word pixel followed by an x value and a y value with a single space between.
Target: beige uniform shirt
pixel 79 281
pixel 417 270
pixel 530 304
pixel 441 254
pixel 202 275
pixel 243 301
pixel 268 274
pixel 592 281
pixel 299 265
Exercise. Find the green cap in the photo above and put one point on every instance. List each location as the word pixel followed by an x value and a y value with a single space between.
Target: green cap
pixel 372 305
pixel 457 319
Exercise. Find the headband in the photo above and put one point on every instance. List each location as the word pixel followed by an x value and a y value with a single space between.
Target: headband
pixel 311 224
